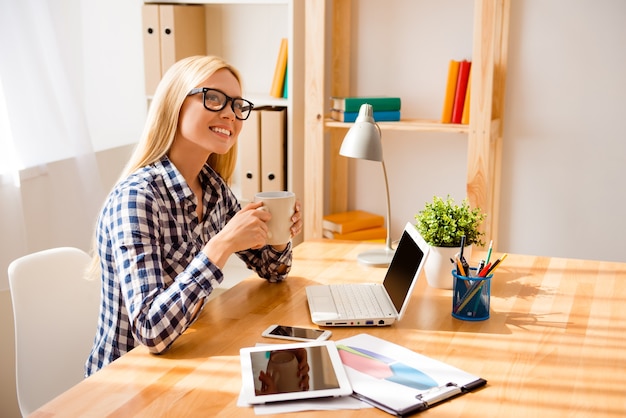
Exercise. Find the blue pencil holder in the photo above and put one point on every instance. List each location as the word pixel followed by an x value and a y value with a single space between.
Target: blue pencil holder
pixel 471 296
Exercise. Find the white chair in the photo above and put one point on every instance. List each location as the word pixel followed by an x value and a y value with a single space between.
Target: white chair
pixel 55 311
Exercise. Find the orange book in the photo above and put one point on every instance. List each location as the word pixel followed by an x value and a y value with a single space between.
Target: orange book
pixel 280 71
pixel 466 105
pixel 461 90
pixel 379 232
pixel 448 101
pixel 350 221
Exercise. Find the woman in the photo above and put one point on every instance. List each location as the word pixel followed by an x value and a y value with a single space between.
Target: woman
pixel 171 222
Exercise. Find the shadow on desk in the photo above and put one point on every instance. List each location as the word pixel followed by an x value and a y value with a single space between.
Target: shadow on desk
pixel 430 309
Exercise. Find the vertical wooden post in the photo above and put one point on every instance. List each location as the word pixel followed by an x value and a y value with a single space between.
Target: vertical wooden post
pixel 487 102
pixel 340 86
pixel 315 11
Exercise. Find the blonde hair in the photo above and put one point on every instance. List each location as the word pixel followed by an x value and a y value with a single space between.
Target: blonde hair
pixel 162 121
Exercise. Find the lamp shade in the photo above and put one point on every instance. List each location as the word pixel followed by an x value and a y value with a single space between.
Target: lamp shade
pixel 363 139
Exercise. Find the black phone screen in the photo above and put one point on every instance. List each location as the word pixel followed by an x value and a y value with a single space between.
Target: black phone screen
pixel 308 333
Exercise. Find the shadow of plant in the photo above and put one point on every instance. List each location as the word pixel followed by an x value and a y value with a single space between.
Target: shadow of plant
pixel 525 319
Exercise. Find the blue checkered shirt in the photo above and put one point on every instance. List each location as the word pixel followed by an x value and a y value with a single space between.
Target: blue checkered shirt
pixel 154 274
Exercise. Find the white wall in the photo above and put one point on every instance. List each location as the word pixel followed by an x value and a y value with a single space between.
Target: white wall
pixel 564 146
pixel 114 86
pixel 565 151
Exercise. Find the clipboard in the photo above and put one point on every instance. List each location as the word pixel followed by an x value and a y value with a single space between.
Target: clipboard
pixel 397 380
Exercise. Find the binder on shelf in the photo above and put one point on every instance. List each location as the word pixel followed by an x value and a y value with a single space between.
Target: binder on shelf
pixel 249 153
pixel 350 221
pixel 400 381
pixel 280 71
pixel 171 33
pixel 273 148
pixel 151 46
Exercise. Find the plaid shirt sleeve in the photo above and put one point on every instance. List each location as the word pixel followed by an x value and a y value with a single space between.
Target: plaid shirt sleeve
pixel 268 263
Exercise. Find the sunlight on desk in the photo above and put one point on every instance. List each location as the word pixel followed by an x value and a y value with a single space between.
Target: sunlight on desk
pixel 553 345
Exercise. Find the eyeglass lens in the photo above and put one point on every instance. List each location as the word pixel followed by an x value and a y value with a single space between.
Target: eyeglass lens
pixel 215 100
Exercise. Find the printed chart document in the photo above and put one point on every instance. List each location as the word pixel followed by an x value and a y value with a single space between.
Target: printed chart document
pixel 397 380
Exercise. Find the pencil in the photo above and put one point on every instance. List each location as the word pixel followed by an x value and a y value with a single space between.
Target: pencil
pixel 459 268
pixel 496 264
pixel 484 271
pixel 468 296
pixel 489 251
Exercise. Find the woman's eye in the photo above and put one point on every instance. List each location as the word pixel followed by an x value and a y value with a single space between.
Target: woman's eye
pixel 213 98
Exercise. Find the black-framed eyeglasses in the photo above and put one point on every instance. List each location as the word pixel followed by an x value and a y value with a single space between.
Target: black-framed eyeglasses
pixel 216 100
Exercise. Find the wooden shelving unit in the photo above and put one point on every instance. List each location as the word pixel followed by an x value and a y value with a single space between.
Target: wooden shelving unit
pixel 484 132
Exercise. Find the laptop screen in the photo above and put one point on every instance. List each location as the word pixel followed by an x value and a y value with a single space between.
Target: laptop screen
pixel 402 269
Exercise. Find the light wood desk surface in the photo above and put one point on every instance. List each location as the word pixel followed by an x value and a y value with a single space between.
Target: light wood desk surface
pixel 555 344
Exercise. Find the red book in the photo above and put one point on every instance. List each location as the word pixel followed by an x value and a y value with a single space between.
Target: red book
pixel 461 89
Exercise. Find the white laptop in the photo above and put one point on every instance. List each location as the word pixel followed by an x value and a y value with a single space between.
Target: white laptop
pixel 385 303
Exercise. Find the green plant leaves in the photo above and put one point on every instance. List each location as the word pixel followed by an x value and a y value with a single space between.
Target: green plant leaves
pixel 442 223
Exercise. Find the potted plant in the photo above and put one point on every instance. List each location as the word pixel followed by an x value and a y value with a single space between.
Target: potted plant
pixel 442 224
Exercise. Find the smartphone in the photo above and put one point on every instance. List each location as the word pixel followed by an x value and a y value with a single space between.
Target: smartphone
pixel 296 333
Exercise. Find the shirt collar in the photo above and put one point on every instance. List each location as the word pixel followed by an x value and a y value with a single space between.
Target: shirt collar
pixel 175 181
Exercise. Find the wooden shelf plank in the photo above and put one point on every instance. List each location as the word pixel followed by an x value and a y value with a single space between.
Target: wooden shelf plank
pixel 423 125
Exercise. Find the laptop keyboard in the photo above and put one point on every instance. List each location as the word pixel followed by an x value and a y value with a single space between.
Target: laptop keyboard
pixel 354 301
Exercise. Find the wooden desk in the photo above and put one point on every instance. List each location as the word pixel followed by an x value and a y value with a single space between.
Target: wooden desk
pixel 555 344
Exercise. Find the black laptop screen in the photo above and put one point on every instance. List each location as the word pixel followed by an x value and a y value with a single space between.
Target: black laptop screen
pixel 402 269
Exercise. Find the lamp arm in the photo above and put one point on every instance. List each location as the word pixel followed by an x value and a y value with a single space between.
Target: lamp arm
pixel 388 240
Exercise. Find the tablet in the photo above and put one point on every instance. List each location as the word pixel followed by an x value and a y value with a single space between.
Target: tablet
pixel 269 373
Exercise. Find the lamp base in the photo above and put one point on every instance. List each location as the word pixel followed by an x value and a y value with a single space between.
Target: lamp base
pixel 376 258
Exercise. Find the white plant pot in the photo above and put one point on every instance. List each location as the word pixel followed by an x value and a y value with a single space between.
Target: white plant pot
pixel 438 267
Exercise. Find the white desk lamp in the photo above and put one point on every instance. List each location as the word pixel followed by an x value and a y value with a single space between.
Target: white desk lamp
pixel 363 141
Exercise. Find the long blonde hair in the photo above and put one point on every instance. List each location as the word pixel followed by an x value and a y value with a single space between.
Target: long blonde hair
pixel 162 121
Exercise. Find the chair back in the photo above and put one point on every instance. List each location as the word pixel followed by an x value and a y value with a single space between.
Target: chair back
pixel 55 310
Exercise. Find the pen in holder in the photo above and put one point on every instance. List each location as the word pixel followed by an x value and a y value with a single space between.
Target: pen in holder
pixel 471 296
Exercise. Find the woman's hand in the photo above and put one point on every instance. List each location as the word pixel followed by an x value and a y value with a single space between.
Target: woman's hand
pixel 247 229
pixel 296 227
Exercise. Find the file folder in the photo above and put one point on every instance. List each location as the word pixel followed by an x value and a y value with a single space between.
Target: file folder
pixel 249 149
pixel 273 149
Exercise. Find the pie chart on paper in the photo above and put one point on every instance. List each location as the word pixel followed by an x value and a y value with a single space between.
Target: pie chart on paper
pixel 382 367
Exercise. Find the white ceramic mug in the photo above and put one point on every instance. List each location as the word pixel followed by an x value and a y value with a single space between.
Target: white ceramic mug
pixel 281 206
pixel 283 369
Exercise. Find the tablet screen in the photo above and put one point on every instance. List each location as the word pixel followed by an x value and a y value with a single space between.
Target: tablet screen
pixel 293 371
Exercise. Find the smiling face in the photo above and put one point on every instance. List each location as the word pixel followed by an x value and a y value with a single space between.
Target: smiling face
pixel 202 132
